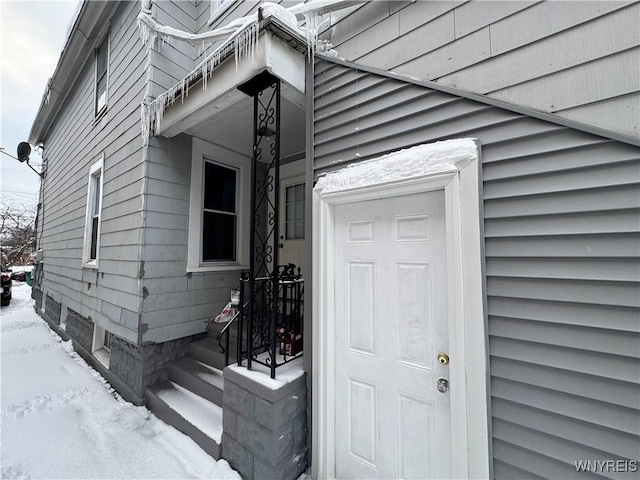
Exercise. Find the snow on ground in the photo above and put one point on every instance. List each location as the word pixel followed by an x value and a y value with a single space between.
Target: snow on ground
pixel 61 419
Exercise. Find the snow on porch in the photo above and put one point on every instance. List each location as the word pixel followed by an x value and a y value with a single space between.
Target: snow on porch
pixel 421 160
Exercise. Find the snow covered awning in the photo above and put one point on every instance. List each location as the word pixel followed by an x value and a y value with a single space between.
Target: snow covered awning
pixel 410 163
pixel 268 40
pixel 268 53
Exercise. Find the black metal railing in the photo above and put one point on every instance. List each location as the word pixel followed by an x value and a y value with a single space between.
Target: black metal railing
pixel 225 335
pixel 271 296
pixel 273 323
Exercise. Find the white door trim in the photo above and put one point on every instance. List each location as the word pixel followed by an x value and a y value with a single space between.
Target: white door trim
pixel 467 323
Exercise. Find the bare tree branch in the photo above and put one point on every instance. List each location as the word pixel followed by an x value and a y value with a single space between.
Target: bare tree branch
pixel 17 232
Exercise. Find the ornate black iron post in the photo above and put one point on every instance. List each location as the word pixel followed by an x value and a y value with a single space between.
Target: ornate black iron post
pixel 263 282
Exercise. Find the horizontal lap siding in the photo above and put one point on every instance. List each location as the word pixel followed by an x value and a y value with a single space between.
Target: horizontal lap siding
pixel 562 246
pixel 175 303
pixel 235 11
pixel 576 59
pixel 75 142
pixel 174 60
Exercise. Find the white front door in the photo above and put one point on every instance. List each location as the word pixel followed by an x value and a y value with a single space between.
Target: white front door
pixel 390 325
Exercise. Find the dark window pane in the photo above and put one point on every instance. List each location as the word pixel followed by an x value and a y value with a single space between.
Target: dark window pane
pixel 218 237
pixel 101 94
pixel 96 197
pixel 219 188
pixel 93 250
pixel 102 59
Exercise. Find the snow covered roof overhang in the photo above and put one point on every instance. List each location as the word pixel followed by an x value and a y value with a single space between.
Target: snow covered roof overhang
pixel 278 50
pixel 90 24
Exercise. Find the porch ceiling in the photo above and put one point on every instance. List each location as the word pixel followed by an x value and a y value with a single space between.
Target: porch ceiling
pixel 232 128
pixel 221 114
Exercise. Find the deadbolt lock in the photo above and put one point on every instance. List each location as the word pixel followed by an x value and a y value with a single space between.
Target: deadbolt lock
pixel 443 358
pixel 443 385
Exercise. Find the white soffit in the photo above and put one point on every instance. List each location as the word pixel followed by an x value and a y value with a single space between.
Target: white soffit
pixel 270 54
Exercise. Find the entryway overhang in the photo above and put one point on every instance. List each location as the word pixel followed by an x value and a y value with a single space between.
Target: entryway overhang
pixel 216 110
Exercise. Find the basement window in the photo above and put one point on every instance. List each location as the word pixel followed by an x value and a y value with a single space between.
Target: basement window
pixel 101 348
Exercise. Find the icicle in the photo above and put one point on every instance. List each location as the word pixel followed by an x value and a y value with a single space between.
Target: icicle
pixel 204 75
pixel 312 20
pixel 145 123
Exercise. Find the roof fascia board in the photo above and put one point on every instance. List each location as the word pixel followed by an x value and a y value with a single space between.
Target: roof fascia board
pixel 547 117
pixel 90 26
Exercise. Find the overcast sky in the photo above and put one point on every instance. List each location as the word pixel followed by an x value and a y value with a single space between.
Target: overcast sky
pixel 32 35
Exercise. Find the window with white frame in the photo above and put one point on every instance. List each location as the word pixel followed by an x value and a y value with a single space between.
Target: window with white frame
pixel 217 8
pixel 102 74
pixel 94 207
pixel 294 212
pixel 101 345
pixel 218 210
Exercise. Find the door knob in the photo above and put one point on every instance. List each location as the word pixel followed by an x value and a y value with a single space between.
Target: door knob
pixel 443 385
pixel 443 358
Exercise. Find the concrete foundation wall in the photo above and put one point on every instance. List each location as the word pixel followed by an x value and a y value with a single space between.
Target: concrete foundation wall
pixel 53 309
pixel 131 368
pixel 265 430
pixel 141 366
pixel 79 328
pixel 37 296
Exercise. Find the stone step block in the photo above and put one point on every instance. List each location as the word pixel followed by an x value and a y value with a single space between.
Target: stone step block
pixel 196 417
pixel 200 379
pixel 208 351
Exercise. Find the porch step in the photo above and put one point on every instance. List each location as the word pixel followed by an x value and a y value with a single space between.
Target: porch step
pixel 216 328
pixel 207 351
pixel 200 379
pixel 183 409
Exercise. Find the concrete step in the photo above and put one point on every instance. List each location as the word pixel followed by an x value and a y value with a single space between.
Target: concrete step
pixel 207 351
pixel 199 378
pixel 183 410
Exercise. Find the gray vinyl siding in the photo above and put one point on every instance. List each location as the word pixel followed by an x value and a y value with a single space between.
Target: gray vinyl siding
pixel 235 11
pixel 110 294
pixel 575 59
pixel 173 60
pixel 562 246
pixel 175 303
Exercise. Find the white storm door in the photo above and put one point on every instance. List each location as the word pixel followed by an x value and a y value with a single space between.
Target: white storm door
pixel 390 324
